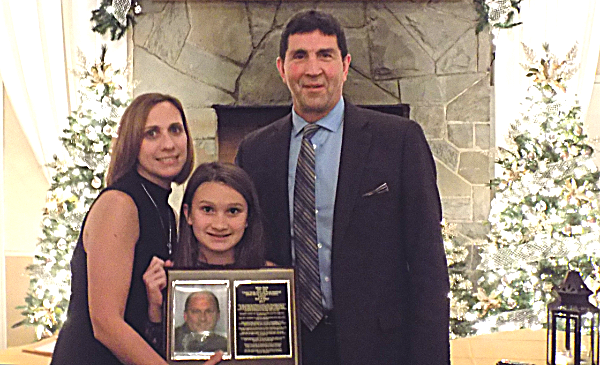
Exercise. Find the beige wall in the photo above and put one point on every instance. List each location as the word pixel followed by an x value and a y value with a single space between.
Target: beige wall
pixel 25 190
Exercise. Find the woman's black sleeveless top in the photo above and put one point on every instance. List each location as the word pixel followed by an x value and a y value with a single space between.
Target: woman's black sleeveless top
pixel 76 344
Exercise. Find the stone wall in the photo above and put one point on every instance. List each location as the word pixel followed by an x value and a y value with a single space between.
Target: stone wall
pixel 423 54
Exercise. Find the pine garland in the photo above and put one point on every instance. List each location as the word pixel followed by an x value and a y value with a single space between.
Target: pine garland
pixel 497 13
pixel 115 16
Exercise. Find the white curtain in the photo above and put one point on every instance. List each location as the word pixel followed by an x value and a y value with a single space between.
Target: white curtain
pixel 561 24
pixel 40 40
pixel 33 70
pixel 2 237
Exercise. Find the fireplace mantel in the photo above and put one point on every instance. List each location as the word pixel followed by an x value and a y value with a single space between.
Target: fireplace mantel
pixel 234 122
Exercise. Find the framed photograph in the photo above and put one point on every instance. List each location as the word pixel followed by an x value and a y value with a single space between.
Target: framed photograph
pixel 250 315
pixel 200 320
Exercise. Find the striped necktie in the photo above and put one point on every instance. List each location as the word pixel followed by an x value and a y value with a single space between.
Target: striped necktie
pixel 305 233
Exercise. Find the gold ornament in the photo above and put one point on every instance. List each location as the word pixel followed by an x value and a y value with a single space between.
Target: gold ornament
pixel 487 302
pixel 575 194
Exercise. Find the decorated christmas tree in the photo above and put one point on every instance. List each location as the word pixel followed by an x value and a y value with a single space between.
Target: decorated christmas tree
pixel 462 298
pixel 77 178
pixel 544 215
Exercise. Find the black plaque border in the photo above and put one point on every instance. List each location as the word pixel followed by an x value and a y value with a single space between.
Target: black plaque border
pixel 185 276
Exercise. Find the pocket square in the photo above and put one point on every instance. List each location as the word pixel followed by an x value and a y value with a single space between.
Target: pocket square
pixel 383 188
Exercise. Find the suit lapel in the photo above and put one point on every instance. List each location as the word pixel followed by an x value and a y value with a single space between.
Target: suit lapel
pixel 278 156
pixel 278 160
pixel 356 141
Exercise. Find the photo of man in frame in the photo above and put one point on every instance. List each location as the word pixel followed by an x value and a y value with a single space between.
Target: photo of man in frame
pixel 201 316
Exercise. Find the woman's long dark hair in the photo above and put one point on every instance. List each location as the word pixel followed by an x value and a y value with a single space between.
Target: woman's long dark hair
pixel 250 251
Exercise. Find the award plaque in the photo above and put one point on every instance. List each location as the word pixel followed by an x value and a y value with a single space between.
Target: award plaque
pixel 250 315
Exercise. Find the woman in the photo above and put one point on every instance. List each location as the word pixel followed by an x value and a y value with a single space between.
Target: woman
pixel 220 228
pixel 129 223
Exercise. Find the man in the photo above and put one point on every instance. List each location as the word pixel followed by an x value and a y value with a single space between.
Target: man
pixel 201 314
pixel 381 262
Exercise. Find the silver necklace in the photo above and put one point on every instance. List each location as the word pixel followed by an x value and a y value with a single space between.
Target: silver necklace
pixel 162 223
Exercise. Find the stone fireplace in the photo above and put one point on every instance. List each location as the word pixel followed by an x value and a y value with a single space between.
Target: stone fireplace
pixel 424 54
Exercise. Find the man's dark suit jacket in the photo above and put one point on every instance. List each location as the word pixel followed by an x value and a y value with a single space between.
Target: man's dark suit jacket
pixel 389 272
pixel 209 343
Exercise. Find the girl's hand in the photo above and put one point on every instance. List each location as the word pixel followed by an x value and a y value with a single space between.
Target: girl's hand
pixel 155 279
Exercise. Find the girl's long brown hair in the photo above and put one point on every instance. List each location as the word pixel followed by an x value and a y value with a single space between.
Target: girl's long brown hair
pixel 250 251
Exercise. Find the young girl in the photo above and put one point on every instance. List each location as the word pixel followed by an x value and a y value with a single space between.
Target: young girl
pixel 129 223
pixel 220 227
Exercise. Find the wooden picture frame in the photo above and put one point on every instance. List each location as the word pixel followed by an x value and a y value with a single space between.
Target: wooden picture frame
pixel 256 320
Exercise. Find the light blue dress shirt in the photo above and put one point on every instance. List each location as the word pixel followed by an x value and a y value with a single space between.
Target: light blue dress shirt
pixel 327 143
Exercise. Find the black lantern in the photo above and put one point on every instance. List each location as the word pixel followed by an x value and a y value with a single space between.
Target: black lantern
pixel 569 312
